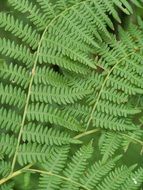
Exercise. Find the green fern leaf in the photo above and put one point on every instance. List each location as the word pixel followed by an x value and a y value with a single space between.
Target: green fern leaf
pixel 16 27
pixel 109 144
pixel 9 186
pixel 18 52
pixel 76 167
pixel 12 96
pixel 134 181
pixel 49 94
pixel 118 177
pixel 54 164
pixel 96 172
pixel 46 113
pixel 40 134
pixel 5 168
pixel 35 16
pixel 7 144
pixel 9 120
pixel 47 76
pixel 15 74
pixel 32 153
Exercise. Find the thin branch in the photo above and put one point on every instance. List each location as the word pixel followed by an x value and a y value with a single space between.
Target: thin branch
pixel 86 133
pixel 134 139
pixel 97 130
pixel 27 100
pixel 14 174
pixel 58 176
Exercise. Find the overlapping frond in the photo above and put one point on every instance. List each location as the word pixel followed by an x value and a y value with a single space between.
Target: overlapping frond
pixel 54 164
pixel 118 178
pixel 96 172
pixel 68 176
pixel 134 181
pixel 109 143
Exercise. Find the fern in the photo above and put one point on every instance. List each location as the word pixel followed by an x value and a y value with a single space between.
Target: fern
pixel 67 72
pixel 118 177
pixel 21 31
pixel 55 164
pixel 31 153
pixel 42 135
pixel 5 168
pixel 8 144
pixel 7 186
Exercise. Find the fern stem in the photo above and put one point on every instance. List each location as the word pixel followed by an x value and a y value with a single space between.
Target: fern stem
pixel 14 174
pixel 134 139
pixel 58 176
pixel 86 133
pixel 102 88
pixel 31 81
pixel 96 130
pixel 27 100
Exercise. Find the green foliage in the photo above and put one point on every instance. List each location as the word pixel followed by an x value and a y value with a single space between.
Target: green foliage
pixel 69 69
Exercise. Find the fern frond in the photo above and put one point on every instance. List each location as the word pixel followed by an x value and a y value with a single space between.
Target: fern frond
pixel 15 74
pixel 5 168
pixel 15 51
pixel 120 84
pixel 110 8
pixel 57 160
pixel 77 165
pixel 24 6
pixel 48 8
pixel 9 120
pixel 9 186
pixel 118 178
pixel 47 76
pixel 131 137
pixel 134 181
pixel 46 113
pixel 40 134
pixel 95 81
pixel 25 32
pixel 96 172
pixel 62 61
pixel 52 45
pixel 32 153
pixel 54 164
pixel 101 120
pixel 115 109
pixel 7 144
pixel 12 96
pixel 109 143
pixel 124 5
pixel 49 94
